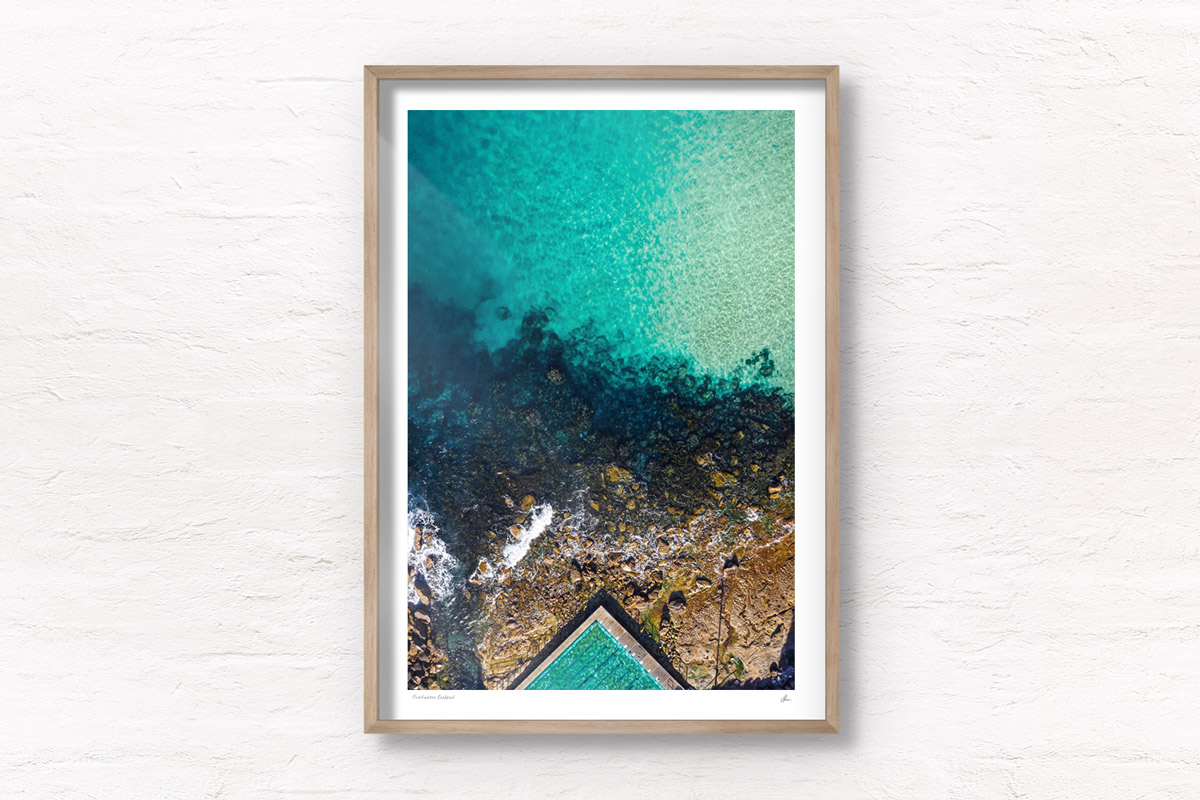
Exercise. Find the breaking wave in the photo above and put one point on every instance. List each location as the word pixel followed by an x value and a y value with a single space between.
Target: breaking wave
pixel 428 556
pixel 515 551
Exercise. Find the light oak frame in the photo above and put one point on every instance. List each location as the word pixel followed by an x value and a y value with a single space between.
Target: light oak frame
pixel 372 75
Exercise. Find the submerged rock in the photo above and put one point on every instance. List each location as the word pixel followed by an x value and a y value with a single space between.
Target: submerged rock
pixel 723 479
pixel 616 475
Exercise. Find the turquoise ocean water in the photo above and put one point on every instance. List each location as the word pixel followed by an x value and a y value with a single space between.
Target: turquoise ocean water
pixel 671 231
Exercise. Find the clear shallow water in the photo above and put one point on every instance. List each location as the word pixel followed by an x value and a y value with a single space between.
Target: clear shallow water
pixel 595 660
pixel 670 231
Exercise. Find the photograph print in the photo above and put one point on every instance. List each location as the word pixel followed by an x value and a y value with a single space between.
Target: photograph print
pixel 601 400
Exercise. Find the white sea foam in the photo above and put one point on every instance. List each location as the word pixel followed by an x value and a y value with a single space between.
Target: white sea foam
pixel 515 551
pixel 432 560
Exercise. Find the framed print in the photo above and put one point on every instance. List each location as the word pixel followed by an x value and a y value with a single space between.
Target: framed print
pixel 601 489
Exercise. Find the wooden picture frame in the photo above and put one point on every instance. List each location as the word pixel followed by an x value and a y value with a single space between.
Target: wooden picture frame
pixel 373 75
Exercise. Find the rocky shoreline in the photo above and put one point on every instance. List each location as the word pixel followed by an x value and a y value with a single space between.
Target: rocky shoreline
pixel 556 471
pixel 713 588
pixel 426 661
pixel 716 594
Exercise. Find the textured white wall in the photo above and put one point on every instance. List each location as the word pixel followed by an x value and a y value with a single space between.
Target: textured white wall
pixel 180 400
